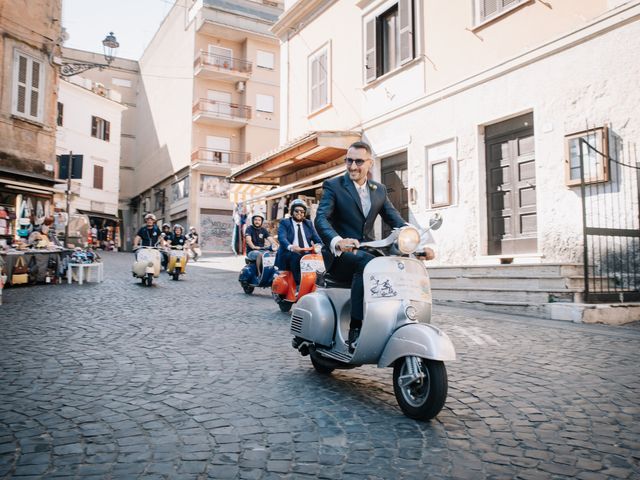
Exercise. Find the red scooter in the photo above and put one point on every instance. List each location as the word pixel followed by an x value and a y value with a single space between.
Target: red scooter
pixel 284 286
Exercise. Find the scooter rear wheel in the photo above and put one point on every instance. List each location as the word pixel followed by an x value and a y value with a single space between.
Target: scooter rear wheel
pixel 422 399
pixel 317 364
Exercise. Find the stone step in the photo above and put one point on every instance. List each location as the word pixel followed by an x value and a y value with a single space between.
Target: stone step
pixel 522 283
pixel 502 295
pixel 519 271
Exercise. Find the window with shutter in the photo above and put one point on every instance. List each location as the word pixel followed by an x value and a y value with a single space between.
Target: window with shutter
pixel 60 118
pixel 319 80
pixel 264 103
pixel 488 9
pixel 100 128
pixel 28 83
pixel 389 39
pixel 98 175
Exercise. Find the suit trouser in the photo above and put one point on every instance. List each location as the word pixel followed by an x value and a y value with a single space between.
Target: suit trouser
pixel 291 262
pixel 349 266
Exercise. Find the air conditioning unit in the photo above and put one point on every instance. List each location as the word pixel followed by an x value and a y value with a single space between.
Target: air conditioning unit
pixel 241 86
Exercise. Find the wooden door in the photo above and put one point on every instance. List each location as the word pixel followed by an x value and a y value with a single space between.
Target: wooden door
pixel 511 187
pixel 395 178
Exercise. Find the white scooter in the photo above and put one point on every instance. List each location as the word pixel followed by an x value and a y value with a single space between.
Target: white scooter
pixel 147 264
pixel 396 330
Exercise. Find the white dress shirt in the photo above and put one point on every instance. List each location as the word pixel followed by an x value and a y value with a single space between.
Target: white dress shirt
pixel 295 235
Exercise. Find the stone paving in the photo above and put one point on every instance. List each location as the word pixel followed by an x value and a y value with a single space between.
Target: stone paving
pixel 194 379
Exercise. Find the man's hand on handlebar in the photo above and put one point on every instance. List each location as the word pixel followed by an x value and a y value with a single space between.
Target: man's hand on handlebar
pixel 427 254
pixel 347 245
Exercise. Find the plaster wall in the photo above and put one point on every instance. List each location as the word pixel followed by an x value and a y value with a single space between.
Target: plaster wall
pixel 163 144
pixel 80 105
pixel 32 31
pixel 567 92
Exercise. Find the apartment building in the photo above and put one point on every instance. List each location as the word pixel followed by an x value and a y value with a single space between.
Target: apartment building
pixel 28 89
pixel 89 128
pixel 481 110
pixel 208 99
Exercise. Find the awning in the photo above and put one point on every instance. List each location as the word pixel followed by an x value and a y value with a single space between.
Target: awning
pixel 15 174
pixel 99 215
pixel 303 156
pixel 27 187
pixel 242 192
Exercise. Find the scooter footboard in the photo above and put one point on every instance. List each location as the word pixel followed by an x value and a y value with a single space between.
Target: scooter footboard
pixel 420 340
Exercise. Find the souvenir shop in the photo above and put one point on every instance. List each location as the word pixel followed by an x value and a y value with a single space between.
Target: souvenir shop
pixel 104 232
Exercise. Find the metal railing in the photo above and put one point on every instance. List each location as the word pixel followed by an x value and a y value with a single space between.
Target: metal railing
pixel 222 62
pixel 231 111
pixel 223 157
pixel 610 194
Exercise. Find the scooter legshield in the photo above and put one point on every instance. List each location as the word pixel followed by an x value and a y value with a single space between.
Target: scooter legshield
pixel 248 274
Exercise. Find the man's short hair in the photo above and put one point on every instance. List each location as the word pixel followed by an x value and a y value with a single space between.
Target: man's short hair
pixel 363 145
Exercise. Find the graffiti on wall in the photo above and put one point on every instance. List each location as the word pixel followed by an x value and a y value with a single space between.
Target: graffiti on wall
pixel 216 232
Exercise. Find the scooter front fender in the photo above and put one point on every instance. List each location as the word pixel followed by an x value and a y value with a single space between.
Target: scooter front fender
pixel 419 340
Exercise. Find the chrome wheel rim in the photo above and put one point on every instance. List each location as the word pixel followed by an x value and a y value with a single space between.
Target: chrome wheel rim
pixel 416 393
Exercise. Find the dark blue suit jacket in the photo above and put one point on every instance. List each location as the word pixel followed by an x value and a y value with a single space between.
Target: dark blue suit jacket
pixel 286 236
pixel 340 213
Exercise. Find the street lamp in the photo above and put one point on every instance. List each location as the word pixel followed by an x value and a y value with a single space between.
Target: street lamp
pixel 110 46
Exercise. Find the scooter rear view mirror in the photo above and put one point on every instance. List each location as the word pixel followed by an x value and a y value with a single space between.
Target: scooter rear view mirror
pixel 435 222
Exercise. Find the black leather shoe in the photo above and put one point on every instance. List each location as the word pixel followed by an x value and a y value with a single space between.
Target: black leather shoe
pixel 354 333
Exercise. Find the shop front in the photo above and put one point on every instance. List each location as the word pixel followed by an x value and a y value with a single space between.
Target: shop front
pixel 104 230
pixel 295 170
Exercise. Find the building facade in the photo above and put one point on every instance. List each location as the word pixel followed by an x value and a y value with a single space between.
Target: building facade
pixel 89 128
pixel 208 100
pixel 464 122
pixel 28 91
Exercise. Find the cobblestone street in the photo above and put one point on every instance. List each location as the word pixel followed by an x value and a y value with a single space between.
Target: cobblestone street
pixel 195 379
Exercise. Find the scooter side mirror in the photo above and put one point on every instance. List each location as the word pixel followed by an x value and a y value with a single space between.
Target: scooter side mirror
pixel 435 222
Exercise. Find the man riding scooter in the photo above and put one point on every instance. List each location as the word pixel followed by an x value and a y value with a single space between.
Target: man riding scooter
pixel 177 257
pixel 257 237
pixel 295 235
pixel 194 247
pixel 347 211
pixel 149 235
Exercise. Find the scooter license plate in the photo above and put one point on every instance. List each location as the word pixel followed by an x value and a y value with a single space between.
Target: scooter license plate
pixel 268 261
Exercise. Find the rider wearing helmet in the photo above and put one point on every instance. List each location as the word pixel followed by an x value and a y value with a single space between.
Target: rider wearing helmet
pixel 256 236
pixel 192 240
pixel 177 238
pixel 149 235
pixel 295 234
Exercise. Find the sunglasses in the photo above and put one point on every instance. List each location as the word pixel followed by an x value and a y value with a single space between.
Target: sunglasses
pixel 298 210
pixel 359 162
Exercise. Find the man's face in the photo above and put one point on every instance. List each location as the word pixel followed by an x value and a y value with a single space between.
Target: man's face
pixel 298 214
pixel 358 173
pixel 149 222
pixel 257 222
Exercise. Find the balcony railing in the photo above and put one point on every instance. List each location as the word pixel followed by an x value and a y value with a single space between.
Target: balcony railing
pixel 215 108
pixel 223 157
pixel 223 62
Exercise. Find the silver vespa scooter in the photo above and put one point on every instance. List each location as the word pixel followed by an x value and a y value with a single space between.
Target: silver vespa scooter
pixel 396 330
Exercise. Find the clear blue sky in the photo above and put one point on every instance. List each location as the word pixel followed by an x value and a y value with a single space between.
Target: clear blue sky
pixel 133 22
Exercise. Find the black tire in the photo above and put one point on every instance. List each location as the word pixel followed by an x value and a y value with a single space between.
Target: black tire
pixel 175 276
pixel 317 364
pixel 149 279
pixel 248 289
pixel 421 400
pixel 282 304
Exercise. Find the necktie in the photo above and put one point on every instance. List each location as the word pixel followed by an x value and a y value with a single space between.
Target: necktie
pixel 300 237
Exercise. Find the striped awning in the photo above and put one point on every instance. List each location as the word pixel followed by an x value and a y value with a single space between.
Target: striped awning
pixel 243 192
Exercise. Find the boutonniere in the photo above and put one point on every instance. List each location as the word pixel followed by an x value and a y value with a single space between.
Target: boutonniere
pixel 373 186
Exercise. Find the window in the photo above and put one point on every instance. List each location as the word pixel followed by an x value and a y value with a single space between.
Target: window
pixel 28 84
pixel 98 176
pixel 265 59
pixel 440 175
pixel 595 153
pixel 264 103
pixel 100 128
pixel 180 189
pixel 488 9
pixel 121 82
pixel 318 80
pixel 389 40
pixel 59 120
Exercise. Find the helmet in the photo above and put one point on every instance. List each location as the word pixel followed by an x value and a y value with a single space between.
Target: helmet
pixel 176 226
pixel 149 216
pixel 165 224
pixel 257 214
pixel 298 203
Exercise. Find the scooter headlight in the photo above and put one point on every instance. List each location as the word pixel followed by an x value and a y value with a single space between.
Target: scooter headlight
pixel 408 240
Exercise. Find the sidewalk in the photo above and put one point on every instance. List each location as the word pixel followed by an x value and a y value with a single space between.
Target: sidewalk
pixel 220 261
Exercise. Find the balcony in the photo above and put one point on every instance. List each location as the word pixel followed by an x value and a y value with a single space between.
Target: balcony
pixel 208 160
pixel 213 112
pixel 221 67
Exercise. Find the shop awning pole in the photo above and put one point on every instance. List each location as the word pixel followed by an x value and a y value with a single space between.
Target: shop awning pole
pixel 69 170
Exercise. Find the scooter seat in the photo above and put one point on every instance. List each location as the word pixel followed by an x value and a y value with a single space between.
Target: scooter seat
pixel 327 280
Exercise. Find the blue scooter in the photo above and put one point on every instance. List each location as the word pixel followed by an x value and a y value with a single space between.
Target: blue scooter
pixel 259 270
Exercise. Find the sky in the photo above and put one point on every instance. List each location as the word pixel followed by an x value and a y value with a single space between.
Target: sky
pixel 133 22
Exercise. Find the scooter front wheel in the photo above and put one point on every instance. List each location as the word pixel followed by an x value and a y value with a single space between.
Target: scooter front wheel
pixel 282 303
pixel 421 394
pixel 248 289
pixel 149 280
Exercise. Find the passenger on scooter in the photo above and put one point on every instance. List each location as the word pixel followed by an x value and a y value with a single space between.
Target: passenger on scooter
pixel 257 237
pixel 294 235
pixel 347 211
pixel 166 233
pixel 149 235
